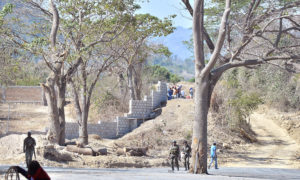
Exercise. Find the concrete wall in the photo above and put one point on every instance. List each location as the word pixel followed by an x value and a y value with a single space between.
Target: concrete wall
pixel 141 109
pixel 138 109
pixel 104 130
pixel 125 125
pixel 22 94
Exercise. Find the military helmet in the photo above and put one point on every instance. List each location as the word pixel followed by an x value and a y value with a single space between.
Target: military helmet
pixel 174 141
pixel 184 142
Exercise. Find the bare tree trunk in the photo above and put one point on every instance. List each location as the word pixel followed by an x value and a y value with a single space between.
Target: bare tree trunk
pixel 121 83
pixel 54 131
pixel 61 111
pixel 137 88
pixel 83 132
pixel 130 83
pixel 138 81
pixel 204 83
pixel 199 143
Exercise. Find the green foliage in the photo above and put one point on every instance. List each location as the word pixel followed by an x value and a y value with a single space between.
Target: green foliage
pixel 5 10
pixel 176 66
pixel 244 103
pixel 159 73
pixel 105 100
pixel 28 81
pixel 175 79
pixel 191 80
pixel 161 49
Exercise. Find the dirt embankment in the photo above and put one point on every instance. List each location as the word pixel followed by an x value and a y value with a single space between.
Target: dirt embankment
pixel 275 148
pixel 175 123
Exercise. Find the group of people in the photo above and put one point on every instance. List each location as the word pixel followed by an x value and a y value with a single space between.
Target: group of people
pixel 178 92
pixel 36 172
pixel 176 156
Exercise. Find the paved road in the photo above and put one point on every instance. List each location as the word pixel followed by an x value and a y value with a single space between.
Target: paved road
pixel 163 174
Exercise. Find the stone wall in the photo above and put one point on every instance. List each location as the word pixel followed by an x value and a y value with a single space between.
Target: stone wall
pixel 104 130
pixel 22 94
pixel 138 109
pixel 141 109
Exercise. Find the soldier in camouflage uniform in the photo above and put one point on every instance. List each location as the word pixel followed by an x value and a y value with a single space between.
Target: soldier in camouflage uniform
pixel 187 154
pixel 28 148
pixel 174 155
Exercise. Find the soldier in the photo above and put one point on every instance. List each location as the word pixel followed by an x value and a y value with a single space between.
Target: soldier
pixel 187 154
pixel 28 148
pixel 174 155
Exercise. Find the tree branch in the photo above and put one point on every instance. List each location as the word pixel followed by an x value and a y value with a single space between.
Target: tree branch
pixel 55 24
pixel 207 38
pixel 72 69
pixel 76 98
pixel 102 38
pixel 36 5
pixel 218 71
pixel 220 41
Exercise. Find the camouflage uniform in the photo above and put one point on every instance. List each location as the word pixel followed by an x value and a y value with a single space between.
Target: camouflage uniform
pixel 187 154
pixel 174 155
pixel 28 148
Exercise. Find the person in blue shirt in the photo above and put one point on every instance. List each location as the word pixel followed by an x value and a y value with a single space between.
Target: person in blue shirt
pixel 170 93
pixel 213 156
pixel 191 92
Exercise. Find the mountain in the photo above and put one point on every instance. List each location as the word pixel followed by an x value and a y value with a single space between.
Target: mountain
pixel 175 44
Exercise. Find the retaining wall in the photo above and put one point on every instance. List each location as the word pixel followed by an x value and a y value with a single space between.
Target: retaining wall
pixel 22 94
pixel 138 109
pixel 104 130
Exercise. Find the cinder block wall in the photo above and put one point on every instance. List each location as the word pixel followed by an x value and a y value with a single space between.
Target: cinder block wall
pixel 22 94
pixel 104 130
pixel 71 130
pixel 138 109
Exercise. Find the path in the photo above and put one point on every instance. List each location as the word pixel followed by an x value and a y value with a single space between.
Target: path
pixel 275 149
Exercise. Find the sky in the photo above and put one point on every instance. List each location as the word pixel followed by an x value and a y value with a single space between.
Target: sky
pixel 164 8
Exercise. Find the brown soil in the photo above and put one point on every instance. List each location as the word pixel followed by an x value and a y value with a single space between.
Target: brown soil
pixel 275 148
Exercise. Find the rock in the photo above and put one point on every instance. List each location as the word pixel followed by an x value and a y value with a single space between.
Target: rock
pixel 95 136
pixel 135 151
pixel 120 152
pixel 100 151
pixel 51 153
pixel 226 146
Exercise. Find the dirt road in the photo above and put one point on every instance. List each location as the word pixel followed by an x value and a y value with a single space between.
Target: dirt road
pixel 275 148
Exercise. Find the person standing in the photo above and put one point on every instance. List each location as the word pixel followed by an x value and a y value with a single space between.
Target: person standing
pixel 170 93
pixel 187 154
pixel 174 155
pixel 28 148
pixel 182 94
pixel 213 156
pixel 191 92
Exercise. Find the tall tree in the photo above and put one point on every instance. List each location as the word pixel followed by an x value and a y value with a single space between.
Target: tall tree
pixel 258 32
pixel 94 18
pixel 134 47
pixel 76 28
